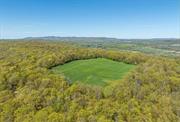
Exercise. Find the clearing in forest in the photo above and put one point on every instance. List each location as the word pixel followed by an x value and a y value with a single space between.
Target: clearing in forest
pixel 94 71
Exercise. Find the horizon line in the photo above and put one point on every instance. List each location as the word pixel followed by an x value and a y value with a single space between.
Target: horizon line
pixel 21 38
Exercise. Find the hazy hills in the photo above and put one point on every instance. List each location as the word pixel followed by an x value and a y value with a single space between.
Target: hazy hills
pixel 96 39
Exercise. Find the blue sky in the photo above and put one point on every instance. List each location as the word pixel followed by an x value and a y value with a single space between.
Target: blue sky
pixel 87 18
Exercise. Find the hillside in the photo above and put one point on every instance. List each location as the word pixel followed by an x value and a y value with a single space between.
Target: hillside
pixel 31 91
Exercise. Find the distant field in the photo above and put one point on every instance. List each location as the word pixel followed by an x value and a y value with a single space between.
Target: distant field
pixel 93 71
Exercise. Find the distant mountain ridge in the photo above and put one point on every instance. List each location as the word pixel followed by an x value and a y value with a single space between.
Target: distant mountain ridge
pixel 57 38
pixel 71 38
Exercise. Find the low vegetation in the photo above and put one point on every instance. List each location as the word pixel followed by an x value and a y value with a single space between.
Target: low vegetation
pixel 31 92
pixel 93 71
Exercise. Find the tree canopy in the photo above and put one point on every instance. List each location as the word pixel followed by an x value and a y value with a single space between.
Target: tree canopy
pixel 30 91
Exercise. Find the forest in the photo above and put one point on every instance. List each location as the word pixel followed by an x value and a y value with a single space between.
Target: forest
pixel 31 92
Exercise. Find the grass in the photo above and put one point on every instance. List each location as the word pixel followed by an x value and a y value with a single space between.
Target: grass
pixel 98 71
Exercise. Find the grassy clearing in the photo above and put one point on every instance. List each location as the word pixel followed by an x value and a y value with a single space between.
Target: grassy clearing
pixel 93 71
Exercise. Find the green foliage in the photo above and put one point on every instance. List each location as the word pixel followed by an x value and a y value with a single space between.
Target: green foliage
pixel 93 71
pixel 31 92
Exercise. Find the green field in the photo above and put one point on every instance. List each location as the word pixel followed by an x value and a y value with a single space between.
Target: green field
pixel 98 71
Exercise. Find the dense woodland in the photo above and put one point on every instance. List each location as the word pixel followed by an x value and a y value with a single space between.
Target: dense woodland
pixel 31 92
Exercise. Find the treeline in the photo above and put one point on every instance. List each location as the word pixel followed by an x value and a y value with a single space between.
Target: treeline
pixel 29 91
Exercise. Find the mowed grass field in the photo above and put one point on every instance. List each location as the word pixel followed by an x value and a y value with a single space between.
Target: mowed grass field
pixel 98 71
